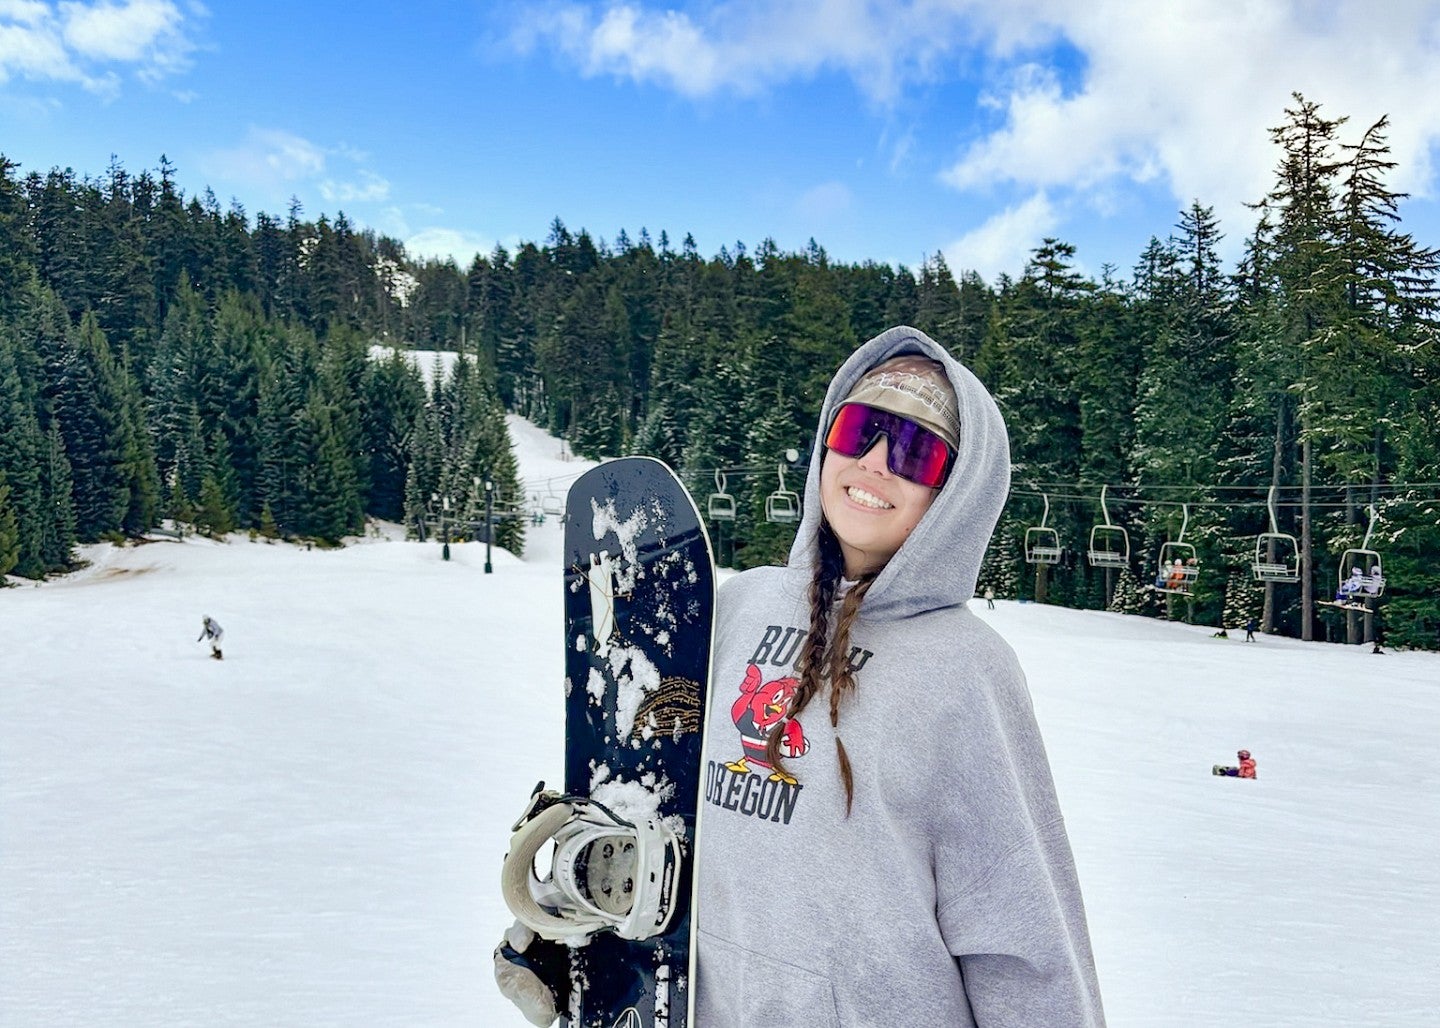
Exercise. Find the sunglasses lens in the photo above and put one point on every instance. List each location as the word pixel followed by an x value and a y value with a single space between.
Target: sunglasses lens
pixel 918 454
pixel 854 428
pixel 914 452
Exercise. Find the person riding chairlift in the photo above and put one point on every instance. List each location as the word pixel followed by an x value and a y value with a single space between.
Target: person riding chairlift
pixel 1352 585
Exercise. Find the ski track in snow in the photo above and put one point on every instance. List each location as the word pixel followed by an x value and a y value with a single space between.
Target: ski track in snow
pixel 311 831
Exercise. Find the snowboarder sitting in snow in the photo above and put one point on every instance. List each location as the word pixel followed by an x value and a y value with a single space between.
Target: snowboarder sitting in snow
pixel 1245 770
pixel 211 630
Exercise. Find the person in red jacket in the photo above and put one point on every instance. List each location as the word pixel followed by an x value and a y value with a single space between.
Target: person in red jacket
pixel 1245 770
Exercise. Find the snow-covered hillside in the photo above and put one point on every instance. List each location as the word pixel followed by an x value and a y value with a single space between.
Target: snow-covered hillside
pixel 310 832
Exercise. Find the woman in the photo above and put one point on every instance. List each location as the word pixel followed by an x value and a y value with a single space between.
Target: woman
pixel 913 866
pixel 881 842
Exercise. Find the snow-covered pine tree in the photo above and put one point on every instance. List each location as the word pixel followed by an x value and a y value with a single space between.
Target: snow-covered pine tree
pixel 1128 598
pixel 1002 566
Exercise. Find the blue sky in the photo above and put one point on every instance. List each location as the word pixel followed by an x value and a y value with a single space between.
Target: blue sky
pixel 885 131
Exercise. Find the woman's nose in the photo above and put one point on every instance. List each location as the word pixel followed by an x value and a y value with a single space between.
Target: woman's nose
pixel 877 458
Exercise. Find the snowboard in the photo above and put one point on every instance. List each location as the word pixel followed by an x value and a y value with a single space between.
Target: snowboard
pixel 639 604
pixel 1358 606
pixel 1226 772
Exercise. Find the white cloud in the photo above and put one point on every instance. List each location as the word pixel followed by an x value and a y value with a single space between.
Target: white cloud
pixel 84 42
pixel 24 12
pixel 1081 100
pixel 1003 243
pixel 31 47
pixel 456 244
pixel 268 157
pixel 271 165
pixel 1183 94
pixel 368 187
pixel 119 32
pixel 824 202
pixel 743 46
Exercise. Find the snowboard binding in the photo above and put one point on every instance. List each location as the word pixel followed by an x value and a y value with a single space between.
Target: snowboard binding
pixel 606 873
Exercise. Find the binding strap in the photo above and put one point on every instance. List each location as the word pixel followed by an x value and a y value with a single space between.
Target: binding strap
pixel 562 906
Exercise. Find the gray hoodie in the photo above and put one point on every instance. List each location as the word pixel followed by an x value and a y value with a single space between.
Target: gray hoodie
pixel 948 896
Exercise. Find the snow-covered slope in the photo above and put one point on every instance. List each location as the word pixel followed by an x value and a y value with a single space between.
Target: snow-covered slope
pixel 310 832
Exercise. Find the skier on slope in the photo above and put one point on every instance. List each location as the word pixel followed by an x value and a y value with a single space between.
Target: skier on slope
pixel 210 629
pixel 927 797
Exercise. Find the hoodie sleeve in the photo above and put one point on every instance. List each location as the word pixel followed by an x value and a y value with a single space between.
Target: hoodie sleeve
pixel 1007 897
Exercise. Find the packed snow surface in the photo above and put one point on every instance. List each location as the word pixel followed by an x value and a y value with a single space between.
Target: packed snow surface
pixel 311 831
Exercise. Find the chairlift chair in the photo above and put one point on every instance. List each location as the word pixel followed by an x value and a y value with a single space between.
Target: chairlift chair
pixel 551 505
pixel 1359 579
pixel 1179 567
pixel 1042 544
pixel 721 505
pixel 1361 575
pixel 782 506
pixel 1277 553
pixel 1109 543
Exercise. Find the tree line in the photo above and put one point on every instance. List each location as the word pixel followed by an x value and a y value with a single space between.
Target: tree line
pixel 160 357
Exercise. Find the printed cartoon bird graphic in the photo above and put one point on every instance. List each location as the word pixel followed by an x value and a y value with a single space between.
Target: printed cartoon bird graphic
pixel 760 710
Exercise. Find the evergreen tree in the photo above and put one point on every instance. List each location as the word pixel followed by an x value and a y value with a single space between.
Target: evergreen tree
pixel 16 245
pixel 88 405
pixel 22 450
pixel 238 350
pixel 393 397
pixel 328 502
pixel 1303 262
pixel 56 522
pixel 285 453
pixel 9 531
pixel 140 479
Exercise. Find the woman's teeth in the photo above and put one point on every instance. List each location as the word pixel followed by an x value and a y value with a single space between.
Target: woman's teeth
pixel 865 499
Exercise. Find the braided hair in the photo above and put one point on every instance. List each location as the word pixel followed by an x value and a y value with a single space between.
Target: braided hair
pixel 823 657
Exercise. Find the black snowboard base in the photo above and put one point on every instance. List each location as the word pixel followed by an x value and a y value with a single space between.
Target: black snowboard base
pixel 639 601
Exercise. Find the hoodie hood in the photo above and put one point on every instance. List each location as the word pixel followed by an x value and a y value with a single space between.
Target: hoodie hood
pixel 940 561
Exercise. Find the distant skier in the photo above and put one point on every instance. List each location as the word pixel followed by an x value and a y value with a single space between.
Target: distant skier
pixel 1245 770
pixel 1250 627
pixel 989 598
pixel 210 629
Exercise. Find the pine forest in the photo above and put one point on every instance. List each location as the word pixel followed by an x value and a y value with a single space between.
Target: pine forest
pixel 1271 425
